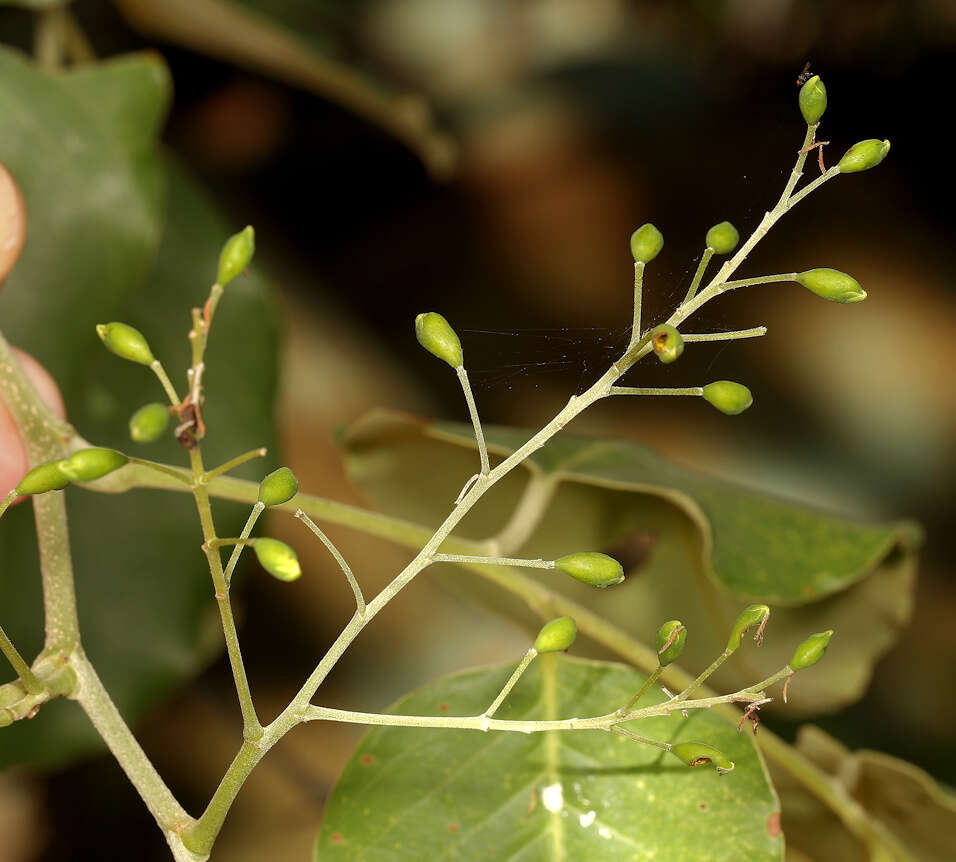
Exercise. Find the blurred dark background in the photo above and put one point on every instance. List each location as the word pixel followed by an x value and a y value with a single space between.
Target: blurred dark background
pixel 556 127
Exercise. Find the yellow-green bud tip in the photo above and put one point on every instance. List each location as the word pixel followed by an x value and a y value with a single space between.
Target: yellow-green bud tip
pixel 753 615
pixel 671 638
pixel 435 334
pixel 832 284
pixel 556 635
pixel 646 243
pixel 667 343
pixel 593 568
pixel 728 397
pixel 702 754
pixel 125 341
pixel 811 650
pixel 723 238
pixel 236 255
pixel 813 100
pixel 148 423
pixel 277 558
pixel 278 487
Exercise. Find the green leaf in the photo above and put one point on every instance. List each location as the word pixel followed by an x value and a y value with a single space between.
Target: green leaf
pixel 716 546
pixel 900 796
pixel 412 794
pixel 143 587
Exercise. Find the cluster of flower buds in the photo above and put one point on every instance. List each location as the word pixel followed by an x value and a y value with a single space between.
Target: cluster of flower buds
pixel 86 465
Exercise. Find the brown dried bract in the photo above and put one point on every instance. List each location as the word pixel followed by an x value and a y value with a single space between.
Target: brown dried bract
pixel 13 222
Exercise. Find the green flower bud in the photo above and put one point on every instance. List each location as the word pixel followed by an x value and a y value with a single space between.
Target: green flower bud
pixel 11 693
pixel 723 238
pixel 671 638
pixel 435 334
pixel 728 397
pixel 863 156
pixel 751 616
pixel 148 423
pixel 236 254
pixel 556 636
pixel 43 478
pixel 702 754
pixel 591 567
pixel 811 650
pixel 832 284
pixel 277 558
pixel 278 487
pixel 89 464
pixel 813 100
pixel 646 243
pixel 667 343
pixel 125 342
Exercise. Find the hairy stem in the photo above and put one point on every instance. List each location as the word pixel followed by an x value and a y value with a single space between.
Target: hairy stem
pixel 343 565
pixel 701 267
pixel 30 683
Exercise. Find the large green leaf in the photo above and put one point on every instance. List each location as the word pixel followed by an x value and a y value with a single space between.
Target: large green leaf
pixel 903 798
pixel 716 545
pixel 143 588
pixel 412 794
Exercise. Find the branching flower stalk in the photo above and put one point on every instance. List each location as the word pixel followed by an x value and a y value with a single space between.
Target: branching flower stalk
pixel 50 441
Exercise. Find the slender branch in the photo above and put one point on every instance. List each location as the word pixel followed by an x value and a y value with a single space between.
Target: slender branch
pixel 651 679
pixel 638 300
pixel 644 390
pixel 493 561
pixel 523 665
pixel 755 332
pixel 812 187
pixel 697 683
pixel 7 501
pixel 102 712
pixel 645 740
pixel 20 667
pixel 701 267
pixel 235 462
pixel 252 729
pixel 160 372
pixel 343 565
pixel 178 474
pixel 240 543
pixel 475 421
pixel 760 279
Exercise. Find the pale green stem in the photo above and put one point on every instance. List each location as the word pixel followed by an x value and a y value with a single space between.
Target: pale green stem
pixel 644 740
pixel 701 267
pixel 493 561
pixel 529 657
pixel 160 372
pixel 755 332
pixel 96 703
pixel 697 683
pixel 235 462
pixel 651 679
pixel 534 502
pixel 7 501
pixel 230 541
pixel 177 474
pixel 252 729
pixel 241 543
pixel 343 565
pixel 760 279
pixel 797 172
pixel 644 390
pixel 812 187
pixel 638 300
pixel 20 667
pixel 475 421
pixel 50 39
